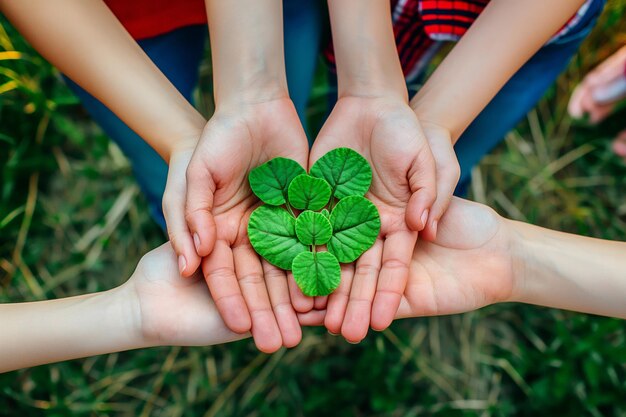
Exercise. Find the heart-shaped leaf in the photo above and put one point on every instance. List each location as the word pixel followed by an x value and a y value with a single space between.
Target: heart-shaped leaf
pixel 308 193
pixel 347 172
pixel 313 228
pixel 356 224
pixel 325 213
pixel 316 273
pixel 270 181
pixel 272 233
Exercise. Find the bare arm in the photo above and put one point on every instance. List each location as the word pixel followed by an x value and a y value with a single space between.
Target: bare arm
pixel 51 331
pixel 365 49
pixel 571 272
pixel 87 43
pixel 154 307
pixel 247 50
pixel 503 38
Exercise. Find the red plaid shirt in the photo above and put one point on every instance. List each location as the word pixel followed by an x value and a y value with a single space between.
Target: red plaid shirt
pixel 420 25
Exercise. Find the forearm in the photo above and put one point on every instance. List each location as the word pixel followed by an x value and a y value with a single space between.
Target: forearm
pixel 87 43
pixel 49 331
pixel 247 51
pixel 571 272
pixel 501 40
pixel 365 49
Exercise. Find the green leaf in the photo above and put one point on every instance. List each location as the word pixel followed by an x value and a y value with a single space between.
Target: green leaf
pixel 347 172
pixel 313 228
pixel 356 224
pixel 308 193
pixel 316 273
pixel 270 181
pixel 325 213
pixel 272 233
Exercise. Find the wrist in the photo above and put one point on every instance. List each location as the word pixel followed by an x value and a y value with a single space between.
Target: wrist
pixel 521 260
pixel 125 300
pixel 370 83
pixel 250 89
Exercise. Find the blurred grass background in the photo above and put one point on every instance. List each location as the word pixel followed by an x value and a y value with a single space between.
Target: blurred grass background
pixel 72 220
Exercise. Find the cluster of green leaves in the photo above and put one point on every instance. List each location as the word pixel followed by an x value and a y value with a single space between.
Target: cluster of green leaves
pixel 332 212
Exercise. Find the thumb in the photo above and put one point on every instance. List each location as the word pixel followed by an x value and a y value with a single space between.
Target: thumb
pixel 199 206
pixel 423 186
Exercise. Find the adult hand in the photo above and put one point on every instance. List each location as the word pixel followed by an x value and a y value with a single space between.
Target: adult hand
pixel 218 202
pixel 387 133
pixel 469 265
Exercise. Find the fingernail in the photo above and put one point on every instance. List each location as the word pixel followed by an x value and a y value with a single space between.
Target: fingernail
pixel 182 263
pixel 333 334
pixel 352 343
pixel 424 218
pixel 196 241
pixel 435 227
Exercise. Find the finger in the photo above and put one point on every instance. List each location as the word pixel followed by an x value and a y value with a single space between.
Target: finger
pixel 301 303
pixel 423 186
pixel 312 318
pixel 394 275
pixel 174 213
pixel 447 175
pixel 320 303
pixel 276 280
pixel 575 106
pixel 219 272
pixel 600 112
pixel 357 319
pixel 619 145
pixel 249 272
pixel 338 300
pixel 199 205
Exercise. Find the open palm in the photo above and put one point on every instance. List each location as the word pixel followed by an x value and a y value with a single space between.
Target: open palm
pixel 219 202
pixel 468 266
pixel 386 132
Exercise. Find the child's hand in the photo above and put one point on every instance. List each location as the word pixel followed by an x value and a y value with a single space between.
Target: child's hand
pixel 173 310
pixel 213 214
pixel 468 266
pixel 601 89
pixel 387 132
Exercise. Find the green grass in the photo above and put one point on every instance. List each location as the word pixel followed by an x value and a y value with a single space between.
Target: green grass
pixel 72 220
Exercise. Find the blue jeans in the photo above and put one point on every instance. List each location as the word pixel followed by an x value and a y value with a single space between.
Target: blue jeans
pixel 178 54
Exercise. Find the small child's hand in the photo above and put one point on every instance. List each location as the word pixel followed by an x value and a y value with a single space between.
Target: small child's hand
pixel 172 310
pixel 387 133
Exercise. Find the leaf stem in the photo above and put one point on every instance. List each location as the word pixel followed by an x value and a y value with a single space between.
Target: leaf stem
pixel 289 209
pixel 331 203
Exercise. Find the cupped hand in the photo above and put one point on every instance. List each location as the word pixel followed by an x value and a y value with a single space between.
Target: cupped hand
pixel 249 294
pixel 387 133
pixel 175 311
